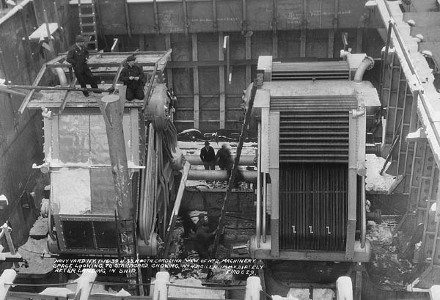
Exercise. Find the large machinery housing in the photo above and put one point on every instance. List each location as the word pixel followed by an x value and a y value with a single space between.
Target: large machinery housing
pixel 313 120
pixel 83 208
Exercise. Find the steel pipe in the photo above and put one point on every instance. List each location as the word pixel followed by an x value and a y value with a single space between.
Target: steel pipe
pixel 245 160
pixel 264 205
pixel 220 175
pixel 366 64
pixel 258 221
pixel 363 213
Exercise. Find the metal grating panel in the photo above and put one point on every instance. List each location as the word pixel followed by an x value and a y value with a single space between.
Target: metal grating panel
pixel 313 103
pixel 319 136
pixel 313 206
pixel 310 70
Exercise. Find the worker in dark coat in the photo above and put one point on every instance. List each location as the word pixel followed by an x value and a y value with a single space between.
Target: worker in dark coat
pixel 77 57
pixel 207 155
pixel 224 158
pixel 204 236
pixel 133 77
pixel 225 162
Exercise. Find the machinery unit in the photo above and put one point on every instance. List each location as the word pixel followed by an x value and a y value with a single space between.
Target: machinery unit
pixel 312 124
pixel 82 211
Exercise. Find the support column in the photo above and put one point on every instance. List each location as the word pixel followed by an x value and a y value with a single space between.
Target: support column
pixel 248 57
pixel 169 70
pixel 221 76
pixel 359 38
pixel 196 82
pixel 331 43
pixel 302 48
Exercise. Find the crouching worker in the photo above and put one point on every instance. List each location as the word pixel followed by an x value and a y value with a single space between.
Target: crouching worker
pixel 133 77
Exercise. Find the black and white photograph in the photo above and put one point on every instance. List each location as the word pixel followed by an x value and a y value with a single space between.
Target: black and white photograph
pixel 220 149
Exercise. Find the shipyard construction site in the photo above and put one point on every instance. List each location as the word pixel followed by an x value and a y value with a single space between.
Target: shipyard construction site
pixel 220 149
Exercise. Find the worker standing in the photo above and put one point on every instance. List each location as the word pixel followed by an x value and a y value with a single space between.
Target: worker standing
pixel 133 77
pixel 77 57
pixel 226 162
pixel 224 159
pixel 207 155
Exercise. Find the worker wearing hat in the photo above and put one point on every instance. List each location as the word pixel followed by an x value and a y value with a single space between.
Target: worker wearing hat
pixel 133 77
pixel 207 155
pixel 78 56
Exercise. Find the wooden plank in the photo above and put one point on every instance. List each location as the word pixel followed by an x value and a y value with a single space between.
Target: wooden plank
pixel 196 82
pixel 221 76
pixel 31 93
pixel 176 207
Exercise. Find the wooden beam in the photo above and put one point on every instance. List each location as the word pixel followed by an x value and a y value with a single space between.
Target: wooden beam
pixel 196 82
pixel 112 112
pixel 31 93
pixel 221 76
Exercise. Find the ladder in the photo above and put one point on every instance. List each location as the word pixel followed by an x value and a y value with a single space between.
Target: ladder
pixel 87 23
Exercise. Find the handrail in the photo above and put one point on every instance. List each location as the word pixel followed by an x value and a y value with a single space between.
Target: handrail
pixel 419 90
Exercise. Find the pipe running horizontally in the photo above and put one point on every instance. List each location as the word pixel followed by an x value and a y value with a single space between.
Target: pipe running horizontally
pixel 366 64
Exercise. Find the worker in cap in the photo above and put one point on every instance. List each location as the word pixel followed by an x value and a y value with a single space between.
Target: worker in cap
pixel 133 77
pixel 77 57
pixel 207 155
